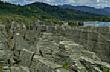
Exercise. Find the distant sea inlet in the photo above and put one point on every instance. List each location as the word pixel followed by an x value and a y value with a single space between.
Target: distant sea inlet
pixel 97 24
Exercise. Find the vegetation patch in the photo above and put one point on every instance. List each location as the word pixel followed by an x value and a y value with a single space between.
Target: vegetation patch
pixel 66 66
pixel 1 68
pixel 106 69
pixel 43 11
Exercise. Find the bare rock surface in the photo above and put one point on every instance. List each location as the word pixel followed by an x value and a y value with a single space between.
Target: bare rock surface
pixel 54 48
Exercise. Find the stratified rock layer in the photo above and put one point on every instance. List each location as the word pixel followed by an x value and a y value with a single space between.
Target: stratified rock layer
pixel 54 48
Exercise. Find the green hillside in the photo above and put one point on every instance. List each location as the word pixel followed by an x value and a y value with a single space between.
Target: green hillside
pixel 31 12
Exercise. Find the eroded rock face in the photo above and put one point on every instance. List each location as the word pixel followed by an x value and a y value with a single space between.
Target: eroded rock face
pixel 53 48
pixel 40 64
pixel 26 57
pixel 19 69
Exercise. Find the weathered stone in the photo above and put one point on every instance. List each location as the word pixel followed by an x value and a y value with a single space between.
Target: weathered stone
pixel 26 57
pixel 42 65
pixel 2 54
pixel 51 28
pixel 70 47
pixel 6 71
pixel 89 54
pixel 2 40
pixel 47 45
pixel 20 43
pixel 97 69
pixel 61 70
pixel 54 48
pixel 15 69
pixel 24 69
pixel 19 69
pixel 92 65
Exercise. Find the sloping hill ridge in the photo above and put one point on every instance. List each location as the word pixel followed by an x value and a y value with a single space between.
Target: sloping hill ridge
pixel 100 11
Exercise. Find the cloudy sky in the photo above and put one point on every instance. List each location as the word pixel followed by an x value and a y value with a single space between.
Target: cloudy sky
pixel 93 3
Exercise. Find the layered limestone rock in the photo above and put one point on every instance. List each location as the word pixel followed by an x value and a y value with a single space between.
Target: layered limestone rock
pixel 40 64
pixel 26 57
pixel 53 48
pixel 92 40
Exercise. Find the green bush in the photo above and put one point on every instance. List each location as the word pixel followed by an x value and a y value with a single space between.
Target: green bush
pixel 106 70
pixel 1 69
pixel 65 65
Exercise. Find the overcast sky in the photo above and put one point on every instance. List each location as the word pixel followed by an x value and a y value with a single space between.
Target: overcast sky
pixel 94 3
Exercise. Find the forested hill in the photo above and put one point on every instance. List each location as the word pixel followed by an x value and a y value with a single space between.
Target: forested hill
pixel 46 12
pixel 100 11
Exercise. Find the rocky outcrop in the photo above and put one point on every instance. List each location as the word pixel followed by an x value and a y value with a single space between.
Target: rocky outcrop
pixel 92 40
pixel 52 48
